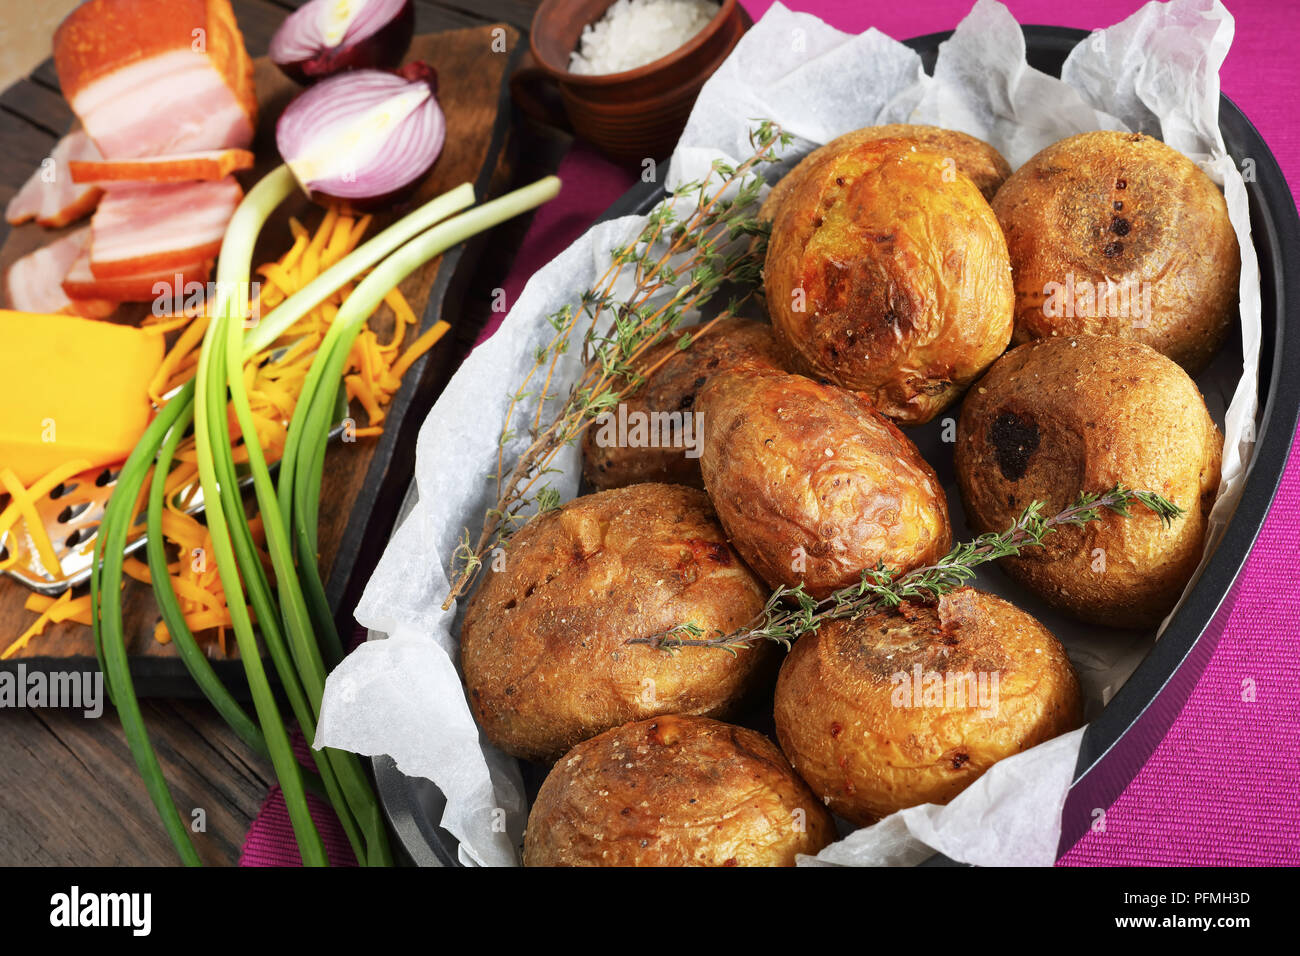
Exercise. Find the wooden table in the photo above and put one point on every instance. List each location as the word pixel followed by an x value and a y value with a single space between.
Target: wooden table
pixel 70 793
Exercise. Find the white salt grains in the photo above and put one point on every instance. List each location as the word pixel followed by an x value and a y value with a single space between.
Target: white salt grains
pixel 633 33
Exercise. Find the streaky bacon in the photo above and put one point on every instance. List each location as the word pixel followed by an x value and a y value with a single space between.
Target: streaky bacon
pixel 35 282
pixel 50 196
pixel 143 229
pixel 81 283
pixel 152 77
pixel 182 167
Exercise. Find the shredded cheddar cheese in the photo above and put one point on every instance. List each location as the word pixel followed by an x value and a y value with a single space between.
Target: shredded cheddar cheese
pixel 274 379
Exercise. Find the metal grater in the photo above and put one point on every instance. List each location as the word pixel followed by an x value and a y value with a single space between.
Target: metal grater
pixel 71 514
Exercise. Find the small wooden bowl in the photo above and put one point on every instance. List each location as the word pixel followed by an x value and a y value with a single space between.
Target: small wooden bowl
pixel 630 116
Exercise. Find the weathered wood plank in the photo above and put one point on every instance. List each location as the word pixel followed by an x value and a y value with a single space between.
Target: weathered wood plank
pixel 38 105
pixel 517 13
pixel 72 794
pixel 431 17
pixel 258 20
pixel 22 147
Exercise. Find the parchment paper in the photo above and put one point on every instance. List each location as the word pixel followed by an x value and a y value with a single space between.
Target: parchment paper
pixel 1156 72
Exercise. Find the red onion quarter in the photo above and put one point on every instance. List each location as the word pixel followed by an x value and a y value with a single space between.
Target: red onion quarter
pixel 325 37
pixel 363 135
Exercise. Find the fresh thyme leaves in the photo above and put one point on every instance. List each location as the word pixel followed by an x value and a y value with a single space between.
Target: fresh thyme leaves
pixel 881 588
pixel 676 265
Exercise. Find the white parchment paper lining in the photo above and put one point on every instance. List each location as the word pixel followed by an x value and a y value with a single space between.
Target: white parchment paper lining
pixel 1156 72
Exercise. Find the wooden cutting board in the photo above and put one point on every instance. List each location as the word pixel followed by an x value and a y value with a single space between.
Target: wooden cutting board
pixel 364 481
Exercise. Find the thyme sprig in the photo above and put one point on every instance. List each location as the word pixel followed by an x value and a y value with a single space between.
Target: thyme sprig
pixel 791 612
pixel 675 266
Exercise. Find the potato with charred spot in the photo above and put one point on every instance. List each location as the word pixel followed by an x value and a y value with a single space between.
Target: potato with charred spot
pixel 887 273
pixel 1061 416
pixel 972 157
pixel 675 791
pixel 912 705
pixel 1119 234
pixel 544 645
pixel 813 485
pixel 614 456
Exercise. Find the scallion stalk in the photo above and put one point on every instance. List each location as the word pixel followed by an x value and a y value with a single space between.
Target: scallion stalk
pixel 350 266
pixel 295 626
pixel 196 662
pixel 235 264
pixel 106 603
pixel 302 460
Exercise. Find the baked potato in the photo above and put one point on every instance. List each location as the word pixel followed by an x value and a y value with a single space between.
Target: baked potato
pixel 628 446
pixel 1060 416
pixel 972 157
pixel 814 485
pixel 544 648
pixel 675 791
pixel 911 706
pixel 1116 233
pixel 887 273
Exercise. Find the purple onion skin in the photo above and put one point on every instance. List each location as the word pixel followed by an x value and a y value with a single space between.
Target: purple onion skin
pixel 414 72
pixel 394 201
pixel 382 50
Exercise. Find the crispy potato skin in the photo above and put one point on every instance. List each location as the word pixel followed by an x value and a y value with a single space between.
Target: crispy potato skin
pixel 675 791
pixel 813 485
pixel 1059 416
pixel 974 158
pixel 673 387
pixel 1121 208
pixel 544 647
pixel 887 273
pixel 856 732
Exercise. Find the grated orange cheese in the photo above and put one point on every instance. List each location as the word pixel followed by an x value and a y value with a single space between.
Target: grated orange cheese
pixel 274 379
pixel 22 505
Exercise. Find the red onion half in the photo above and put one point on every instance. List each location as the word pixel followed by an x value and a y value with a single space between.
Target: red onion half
pixel 325 37
pixel 364 136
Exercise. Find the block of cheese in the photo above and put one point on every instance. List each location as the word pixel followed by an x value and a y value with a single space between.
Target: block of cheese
pixel 75 388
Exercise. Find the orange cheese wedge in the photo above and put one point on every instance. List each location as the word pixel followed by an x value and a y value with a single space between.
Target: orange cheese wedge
pixel 78 389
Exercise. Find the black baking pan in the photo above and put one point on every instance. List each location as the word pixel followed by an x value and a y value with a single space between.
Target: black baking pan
pixel 1120 740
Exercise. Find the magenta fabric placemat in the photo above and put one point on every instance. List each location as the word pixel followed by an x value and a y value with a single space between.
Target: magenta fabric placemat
pixel 1222 787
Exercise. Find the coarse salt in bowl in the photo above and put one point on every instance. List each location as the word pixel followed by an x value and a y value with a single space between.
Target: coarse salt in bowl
pixel 633 33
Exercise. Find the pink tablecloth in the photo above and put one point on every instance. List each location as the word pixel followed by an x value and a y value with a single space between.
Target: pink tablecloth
pixel 1221 788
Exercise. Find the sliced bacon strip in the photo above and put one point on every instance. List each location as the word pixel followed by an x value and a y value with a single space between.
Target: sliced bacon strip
pixel 81 283
pixel 152 77
pixel 158 227
pixel 50 196
pixel 35 282
pixel 185 167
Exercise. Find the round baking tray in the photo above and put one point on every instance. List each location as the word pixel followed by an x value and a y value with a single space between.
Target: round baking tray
pixel 1120 740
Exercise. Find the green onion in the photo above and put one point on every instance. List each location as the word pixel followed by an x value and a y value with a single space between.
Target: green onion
pixel 350 266
pixel 209 429
pixel 294 620
pixel 106 603
pixel 196 662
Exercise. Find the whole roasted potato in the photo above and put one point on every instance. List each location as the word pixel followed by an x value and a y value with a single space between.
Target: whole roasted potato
pixel 544 647
pixel 1118 234
pixel 911 706
pixel 887 273
pixel 655 433
pixel 813 485
pixel 972 157
pixel 1059 416
pixel 675 791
